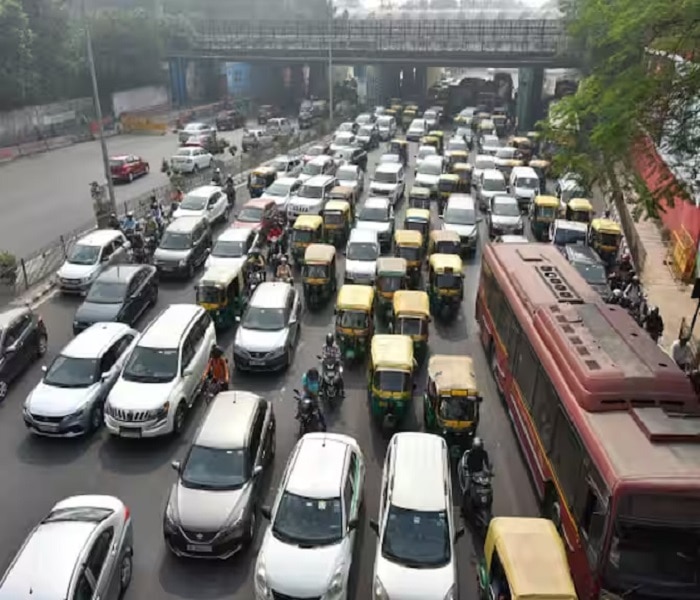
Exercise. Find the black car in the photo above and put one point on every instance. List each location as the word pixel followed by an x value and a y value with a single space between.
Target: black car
pixel 23 339
pixel 228 120
pixel 211 512
pixel 184 247
pixel 589 265
pixel 120 294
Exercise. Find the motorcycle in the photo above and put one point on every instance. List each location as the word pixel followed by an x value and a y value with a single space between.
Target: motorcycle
pixel 331 373
pixel 477 496
pixel 308 415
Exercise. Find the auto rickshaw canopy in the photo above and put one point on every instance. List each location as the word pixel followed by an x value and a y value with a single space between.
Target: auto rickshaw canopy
pixel 413 107
pixel 408 237
pixel 448 178
pixel 547 201
pixel 390 351
pixel 411 302
pixel 418 214
pixel 441 263
pixel 462 167
pixel 264 171
pixel 398 143
pixel 342 206
pixel 312 222
pixel 438 133
pixel 580 204
pixel 520 142
pixel 221 276
pixel 391 112
pixel 609 226
pixel 487 124
pixel 419 192
pixel 355 297
pixel 342 192
pixel 453 374
pixel 459 156
pixel 533 558
pixel 444 235
pixel 319 254
pixel 391 265
pixel 430 140
pixel 540 164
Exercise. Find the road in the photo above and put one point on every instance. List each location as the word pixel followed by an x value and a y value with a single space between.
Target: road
pixel 48 194
pixel 38 472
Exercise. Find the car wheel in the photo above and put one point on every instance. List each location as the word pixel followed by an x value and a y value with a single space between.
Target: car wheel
pixel 190 270
pixel 42 345
pixel 125 571
pixel 4 388
pixel 179 421
pixel 147 170
pixel 97 416
pixel 250 534
pixel 130 177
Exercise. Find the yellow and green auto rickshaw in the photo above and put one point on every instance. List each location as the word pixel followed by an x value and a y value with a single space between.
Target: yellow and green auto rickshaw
pixel 447 185
pixel 390 378
pixel 430 140
pixel 579 210
pixel 347 194
pixel 392 276
pixel 318 275
pixel 260 179
pixel 307 230
pixel 451 401
pixel 440 135
pixel 443 241
pixel 605 237
pixel 418 219
pixel 407 116
pixel 524 559
pixel 414 107
pixel 354 323
pixel 412 318
pixel 506 166
pixel 523 145
pixel 486 127
pixel 419 197
pixel 454 157
pixel 408 244
pixel 445 285
pixel 541 167
pixel 397 109
pixel 337 221
pixel 221 292
pixel 400 148
pixel 464 172
pixel 543 212
pixel 500 122
pixel 390 112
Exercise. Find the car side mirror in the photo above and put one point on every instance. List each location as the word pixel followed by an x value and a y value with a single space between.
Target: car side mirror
pixel 176 465
pixel 187 372
pixel 353 524
pixel 479 219
pixel 44 368
pixel 459 533
pixel 257 471
pixel 105 376
pixel 266 512
pixel 374 526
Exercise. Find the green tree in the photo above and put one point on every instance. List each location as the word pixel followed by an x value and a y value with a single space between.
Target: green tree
pixel 16 41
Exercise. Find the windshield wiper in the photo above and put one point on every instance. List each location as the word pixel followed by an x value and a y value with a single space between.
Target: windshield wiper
pixel 145 378
pixel 288 539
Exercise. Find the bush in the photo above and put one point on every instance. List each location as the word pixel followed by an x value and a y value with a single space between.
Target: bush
pixel 8 268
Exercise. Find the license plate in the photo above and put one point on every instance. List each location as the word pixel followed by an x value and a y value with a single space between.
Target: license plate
pixel 47 427
pixel 199 548
pixel 256 362
pixel 167 268
pixel 130 432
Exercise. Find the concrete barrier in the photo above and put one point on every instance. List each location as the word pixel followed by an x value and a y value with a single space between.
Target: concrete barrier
pixel 142 124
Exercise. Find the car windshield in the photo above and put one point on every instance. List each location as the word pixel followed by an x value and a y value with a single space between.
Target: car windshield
pixel 563 236
pixel 193 202
pixel 264 319
pixel 506 209
pixel 280 165
pixel 194 127
pixel 364 131
pixel 385 177
pixel 417 539
pixel 107 292
pixel 529 183
pixel 84 255
pixel 418 125
pixel 457 145
pixel 308 521
pixel 68 372
pixel 312 169
pixel 250 214
pixel 374 213
pixel 389 158
pixel 494 185
pixel 346 174
pixel 215 468
pixel 228 249
pixel 430 114
pixel 424 151
pixel 592 273
pixel 362 119
pixel 173 240
pixel 384 122
pixel 483 162
pixel 460 216
pixel 313 192
pixel 116 162
pixel 430 168
pixel 362 251
pixel 151 365
pixel 345 127
pixel 506 153
pixel 278 189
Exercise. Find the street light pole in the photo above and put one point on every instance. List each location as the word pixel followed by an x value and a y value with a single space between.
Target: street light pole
pixel 330 59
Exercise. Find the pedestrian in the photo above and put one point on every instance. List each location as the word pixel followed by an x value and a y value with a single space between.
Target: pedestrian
pixel 682 353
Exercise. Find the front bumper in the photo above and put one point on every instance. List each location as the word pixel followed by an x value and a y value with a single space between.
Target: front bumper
pixel 171 269
pixel 138 429
pixel 74 286
pixel 259 361
pixel 204 544
pixel 58 427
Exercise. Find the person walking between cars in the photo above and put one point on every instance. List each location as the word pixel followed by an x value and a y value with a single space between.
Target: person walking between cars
pixel 654 324
pixel 682 353
pixel 217 370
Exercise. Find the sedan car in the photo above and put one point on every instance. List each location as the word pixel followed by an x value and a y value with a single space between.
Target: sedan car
pixel 342 140
pixel 120 294
pixel 348 126
pixel 231 248
pixel 377 214
pixel 257 214
pixel 423 153
pixel 69 400
pixel 191 160
pixel 23 339
pixel 282 190
pixel 314 151
pixel 504 216
pixel 194 129
pixel 127 167
pixel 351 176
pixel 228 120
pixel 208 201
pixel 211 512
pixel 269 329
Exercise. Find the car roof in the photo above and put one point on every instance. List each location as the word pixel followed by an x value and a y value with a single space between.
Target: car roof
pixel 121 273
pixel 184 224
pixel 9 315
pixel 287 180
pixel 322 159
pixel 100 237
pixel 377 202
pixel 388 167
pixel 418 457
pixel 235 235
pixel 358 234
pixel 318 180
pixel 227 422
pixel 95 340
pixel 319 464
pixel 564 224
pixel 524 172
pixel 271 294
pixel 348 166
pixel 504 199
pixel 204 190
pixel 167 329
pixel 582 254
pixel 120 157
pixel 431 149
pixel 493 174
pixel 460 201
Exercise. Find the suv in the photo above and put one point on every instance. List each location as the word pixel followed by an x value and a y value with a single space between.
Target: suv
pixel 311 197
pixel 308 549
pixel 228 120
pixel 589 265
pixel 460 216
pixel 404 567
pixel 377 214
pixel 320 165
pixel 163 374
pixel 184 247
pixel 504 216
pixel 389 180
pixel 208 201
pixel 269 329
pixel 256 139
pixel 211 513
pixel 69 400
pixel 361 254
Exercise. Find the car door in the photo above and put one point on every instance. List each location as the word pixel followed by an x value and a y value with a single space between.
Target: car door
pixel 135 299
pixel 101 564
pixel 113 361
pixel 16 351
pixel 189 365
pixel 258 447
pixel 294 308
pixel 215 208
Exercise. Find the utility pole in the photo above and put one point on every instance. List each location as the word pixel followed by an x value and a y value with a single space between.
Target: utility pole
pixel 330 60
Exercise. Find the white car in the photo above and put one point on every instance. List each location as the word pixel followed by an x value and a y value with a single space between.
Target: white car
pixel 482 163
pixel 190 160
pixel 431 118
pixel 389 180
pixel 504 155
pixel 389 158
pixel 351 176
pixel 231 248
pixel 457 144
pixel 490 144
pixel 195 130
pixel 208 201
pixel 428 173
pixel 286 166
pixel 279 126
pixel 387 127
pixel 163 374
pixel 460 217
pixel 342 140
pixel 377 214
pixel 562 233
pixel 320 165
pixel 423 153
pixel 69 400
pixel 281 191
pixel 361 254
pixel 307 550
pixel 416 130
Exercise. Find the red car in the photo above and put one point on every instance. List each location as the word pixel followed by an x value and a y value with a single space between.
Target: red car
pixel 127 167
pixel 258 214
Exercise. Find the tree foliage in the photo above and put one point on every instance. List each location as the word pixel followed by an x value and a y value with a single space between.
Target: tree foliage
pixel 626 91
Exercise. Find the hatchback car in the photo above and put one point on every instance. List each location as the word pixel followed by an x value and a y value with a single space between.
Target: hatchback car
pixel 231 248
pixel 361 254
pixel 504 216
pixel 120 294
pixel 286 166
pixel 377 214
pixel 184 247
pixel 416 130
pixel 482 163
pixel 491 184
pixel 281 191
pixel 258 215
pixel 81 550
pixel 460 216
pixel 69 400
pixel 268 331
pixel 351 176
pixel 127 167
pixel 489 145
pixel 365 119
pixel 389 180
pixel 212 509
pixel 191 159
pixel 348 126
pixel 423 153
pixel 23 340
pixel 590 266
pixel 208 201
pixel 307 551
pixel 563 232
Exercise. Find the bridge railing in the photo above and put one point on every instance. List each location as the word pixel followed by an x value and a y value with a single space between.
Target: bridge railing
pixel 545 37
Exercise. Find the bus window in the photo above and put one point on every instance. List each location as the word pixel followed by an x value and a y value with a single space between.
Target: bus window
pixel 592 524
pixel 545 409
pixel 567 456
pixel 525 370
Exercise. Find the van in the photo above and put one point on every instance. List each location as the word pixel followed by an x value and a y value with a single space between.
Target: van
pixel 312 196
pixel 387 127
pixel 492 183
pixel 524 185
pixel 460 217
pixel 361 256
pixel 184 247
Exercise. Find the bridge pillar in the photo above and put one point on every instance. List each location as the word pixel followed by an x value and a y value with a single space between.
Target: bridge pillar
pixel 318 80
pixel 390 81
pixel 529 102
pixel 177 68
pixel 297 83
pixel 267 83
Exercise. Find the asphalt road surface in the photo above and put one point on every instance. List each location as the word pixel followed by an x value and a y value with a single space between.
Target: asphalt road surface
pixel 37 472
pixel 48 194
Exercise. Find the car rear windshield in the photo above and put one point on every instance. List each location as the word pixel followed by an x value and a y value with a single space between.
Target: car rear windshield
pixel 184 152
pixel 385 177
pixel 264 319
pixel 373 213
pixel 278 189
pixel 506 209
pixel 494 185
pixel 151 365
pixel 364 131
pixel 457 145
pixel 69 372
pixel 113 162
pixel 384 121
pixel 89 514
pixel 250 214
pixel 312 169
pixel 484 162
pixel 107 292
pixel 430 168
pixel 346 174
pixel 308 521
pixel 460 216
pixel 215 468
pixel 417 539
pixel 173 240
pixel 362 251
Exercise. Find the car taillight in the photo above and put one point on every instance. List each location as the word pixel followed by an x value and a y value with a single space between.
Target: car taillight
pixel 127 513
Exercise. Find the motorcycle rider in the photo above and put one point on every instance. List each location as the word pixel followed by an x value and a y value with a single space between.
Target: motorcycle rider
pixel 615 297
pixel 311 384
pixel 284 271
pixel 625 267
pixel 332 355
pixel 129 223
pixel 654 324
pixel 475 460
pixel 633 291
pixel 217 369
pixel 113 222
pixel 217 177
pixel 682 353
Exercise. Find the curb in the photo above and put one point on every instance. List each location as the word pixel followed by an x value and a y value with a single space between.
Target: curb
pixel 33 297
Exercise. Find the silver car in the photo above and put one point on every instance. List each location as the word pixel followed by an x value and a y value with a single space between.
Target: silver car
pixel 377 214
pixel 194 130
pixel 351 176
pixel 504 216
pixel 82 549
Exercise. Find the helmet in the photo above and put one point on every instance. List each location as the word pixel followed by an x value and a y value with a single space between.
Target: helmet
pixel 307 406
pixel 130 214
pixel 635 279
pixel 477 443
pixel 312 374
pixel 216 352
pixel 217 171
pixel 654 310
pixel 617 293
pixel 330 338
pixel 113 216
pixel 283 260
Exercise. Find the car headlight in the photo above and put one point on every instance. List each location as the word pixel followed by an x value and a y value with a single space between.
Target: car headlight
pixel 160 413
pixel 169 516
pixel 450 595
pixel 336 585
pixel 182 263
pixel 277 352
pixel 261 586
pixel 77 414
pixel 87 279
pixel 379 591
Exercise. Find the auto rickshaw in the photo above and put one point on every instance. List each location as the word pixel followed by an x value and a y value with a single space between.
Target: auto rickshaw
pixel 408 244
pixel 506 167
pixel 486 127
pixel 541 167
pixel 464 171
pixel 347 194
pixel 397 109
pixel 535 138
pixel 399 147
pixel 443 241
pixel 392 276
pixel 307 230
pixel 445 285
pixel 418 219
pixel 451 401
pixel 523 145
pixel 543 212
pixel 524 558
pixel 390 378
pixel 430 140
pixel 605 237
pixel 391 112
pixel 414 108
pixel 337 221
pixel 579 210
pixel 440 135
pixel 318 275
pixel 407 116
pixel 260 179
pixel 454 157
pixel 447 185
pixel 412 318
pixel 221 292
pixel 354 324
pixel 500 123
pixel 419 197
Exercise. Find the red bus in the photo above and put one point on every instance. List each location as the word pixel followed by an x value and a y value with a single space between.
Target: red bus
pixel 607 423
